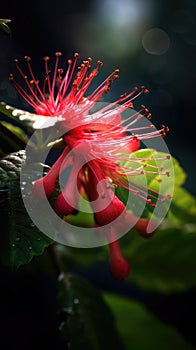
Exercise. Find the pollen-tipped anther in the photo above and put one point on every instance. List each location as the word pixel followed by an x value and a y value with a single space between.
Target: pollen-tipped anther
pixel 100 63
pixel 27 58
pixel 144 90
pixel 46 58
pixel 11 77
pixel 58 54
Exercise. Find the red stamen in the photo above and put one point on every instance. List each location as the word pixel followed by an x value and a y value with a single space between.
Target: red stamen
pixel 49 180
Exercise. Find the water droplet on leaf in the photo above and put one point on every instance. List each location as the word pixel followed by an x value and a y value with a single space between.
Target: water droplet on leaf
pixel 61 326
pixel 76 301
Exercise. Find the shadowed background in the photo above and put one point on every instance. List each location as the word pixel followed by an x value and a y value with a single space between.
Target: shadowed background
pixel 153 44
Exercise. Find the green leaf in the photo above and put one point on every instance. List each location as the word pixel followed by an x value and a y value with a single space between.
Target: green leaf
pixel 20 238
pixel 29 120
pixel 165 262
pixel 4 26
pixel 156 167
pixel 86 321
pixel 10 167
pixel 16 130
pixel 14 136
pixel 22 117
pixel 140 329
pixel 151 169
pixel 183 207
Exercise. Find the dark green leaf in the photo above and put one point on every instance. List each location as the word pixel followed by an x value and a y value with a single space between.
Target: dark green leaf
pixel 183 207
pixel 13 136
pixel 20 238
pixel 141 330
pixel 86 321
pixel 10 167
pixel 165 262
pixel 17 131
pixel 122 193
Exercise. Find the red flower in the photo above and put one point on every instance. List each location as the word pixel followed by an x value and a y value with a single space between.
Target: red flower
pixel 95 144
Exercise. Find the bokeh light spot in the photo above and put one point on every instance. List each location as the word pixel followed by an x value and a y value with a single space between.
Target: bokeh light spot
pixel 155 41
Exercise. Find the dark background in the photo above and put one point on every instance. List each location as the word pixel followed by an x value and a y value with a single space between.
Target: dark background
pixel 112 31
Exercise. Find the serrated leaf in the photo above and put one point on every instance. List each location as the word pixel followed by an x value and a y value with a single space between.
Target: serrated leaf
pixel 10 167
pixel 86 321
pixel 140 329
pixel 165 262
pixel 21 239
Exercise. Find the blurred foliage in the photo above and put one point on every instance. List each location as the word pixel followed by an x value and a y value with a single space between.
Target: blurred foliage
pixel 164 263
pixel 86 320
pixel 142 330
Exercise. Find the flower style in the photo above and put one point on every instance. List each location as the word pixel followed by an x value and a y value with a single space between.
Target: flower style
pixel 95 144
